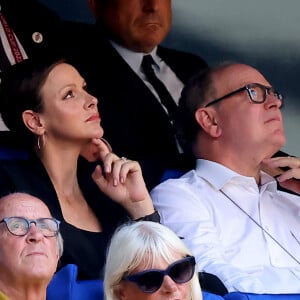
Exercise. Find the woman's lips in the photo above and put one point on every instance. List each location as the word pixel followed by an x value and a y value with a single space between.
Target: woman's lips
pixel 94 117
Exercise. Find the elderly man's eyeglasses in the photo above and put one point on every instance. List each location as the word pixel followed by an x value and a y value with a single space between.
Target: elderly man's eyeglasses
pixel 149 281
pixel 20 226
pixel 257 93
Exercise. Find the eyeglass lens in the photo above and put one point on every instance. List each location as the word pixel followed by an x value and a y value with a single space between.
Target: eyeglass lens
pixel 150 281
pixel 20 226
pixel 258 93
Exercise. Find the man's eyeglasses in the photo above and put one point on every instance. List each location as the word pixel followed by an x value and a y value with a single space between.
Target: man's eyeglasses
pixel 149 281
pixel 257 93
pixel 20 226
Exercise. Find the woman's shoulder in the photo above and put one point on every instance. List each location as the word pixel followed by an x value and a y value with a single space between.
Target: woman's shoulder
pixel 22 175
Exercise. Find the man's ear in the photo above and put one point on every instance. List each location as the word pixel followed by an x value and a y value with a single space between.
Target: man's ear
pixel 207 119
pixel 33 122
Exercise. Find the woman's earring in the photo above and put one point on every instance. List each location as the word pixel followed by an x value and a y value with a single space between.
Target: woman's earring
pixel 106 143
pixel 40 142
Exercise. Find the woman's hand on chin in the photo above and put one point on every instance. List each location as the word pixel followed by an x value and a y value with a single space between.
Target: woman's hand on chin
pixel 122 180
pixel 96 150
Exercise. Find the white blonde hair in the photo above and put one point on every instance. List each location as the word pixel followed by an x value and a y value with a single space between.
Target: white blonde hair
pixel 132 243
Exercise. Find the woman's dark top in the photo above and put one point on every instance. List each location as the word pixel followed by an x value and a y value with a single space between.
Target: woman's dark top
pixel 85 249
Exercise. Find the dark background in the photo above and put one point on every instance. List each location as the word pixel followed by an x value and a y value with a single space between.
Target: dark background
pixel 262 33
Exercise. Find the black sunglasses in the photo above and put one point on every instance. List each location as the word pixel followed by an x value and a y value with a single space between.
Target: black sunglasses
pixel 149 281
pixel 257 93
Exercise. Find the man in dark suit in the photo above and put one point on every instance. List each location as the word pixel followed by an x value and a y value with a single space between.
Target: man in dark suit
pixel 32 30
pixel 135 121
pixel 34 25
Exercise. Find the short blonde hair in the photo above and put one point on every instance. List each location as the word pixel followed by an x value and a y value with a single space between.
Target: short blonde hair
pixel 129 246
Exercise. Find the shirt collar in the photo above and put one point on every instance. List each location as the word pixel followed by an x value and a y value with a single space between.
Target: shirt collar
pixel 134 59
pixel 219 175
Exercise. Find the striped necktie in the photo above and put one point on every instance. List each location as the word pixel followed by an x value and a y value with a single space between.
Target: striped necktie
pixel 11 51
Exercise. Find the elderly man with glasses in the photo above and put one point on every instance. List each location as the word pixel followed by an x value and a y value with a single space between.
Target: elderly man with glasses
pixel 30 247
pixel 231 214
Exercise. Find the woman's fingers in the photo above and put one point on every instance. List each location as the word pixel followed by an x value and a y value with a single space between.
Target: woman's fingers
pixel 96 149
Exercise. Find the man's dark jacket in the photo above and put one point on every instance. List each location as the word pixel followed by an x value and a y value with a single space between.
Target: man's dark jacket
pixel 27 17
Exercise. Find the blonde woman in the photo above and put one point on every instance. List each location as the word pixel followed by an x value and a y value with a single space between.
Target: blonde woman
pixel 146 260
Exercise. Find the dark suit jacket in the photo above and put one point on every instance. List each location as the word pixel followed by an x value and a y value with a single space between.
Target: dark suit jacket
pixel 29 16
pixel 134 121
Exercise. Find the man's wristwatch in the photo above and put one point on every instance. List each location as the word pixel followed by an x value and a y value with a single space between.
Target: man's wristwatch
pixel 154 217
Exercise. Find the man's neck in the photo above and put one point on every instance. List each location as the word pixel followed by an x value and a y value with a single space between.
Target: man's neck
pixel 8 293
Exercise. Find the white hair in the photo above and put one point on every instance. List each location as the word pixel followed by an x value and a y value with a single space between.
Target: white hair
pixel 132 243
pixel 60 244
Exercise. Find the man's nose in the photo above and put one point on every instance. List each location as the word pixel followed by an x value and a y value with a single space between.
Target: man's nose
pixel 151 5
pixel 34 234
pixel 273 101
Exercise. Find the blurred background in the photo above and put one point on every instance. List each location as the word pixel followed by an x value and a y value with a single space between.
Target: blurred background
pixel 262 33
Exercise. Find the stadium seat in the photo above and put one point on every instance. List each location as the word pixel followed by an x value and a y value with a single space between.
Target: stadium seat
pixel 65 286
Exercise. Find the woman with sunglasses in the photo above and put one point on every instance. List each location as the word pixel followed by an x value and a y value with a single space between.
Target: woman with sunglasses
pixel 153 264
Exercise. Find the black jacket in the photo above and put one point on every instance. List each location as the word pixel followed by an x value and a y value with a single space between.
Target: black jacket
pixel 28 17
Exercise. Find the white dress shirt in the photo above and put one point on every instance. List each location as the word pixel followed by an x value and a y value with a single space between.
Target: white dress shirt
pixel 221 233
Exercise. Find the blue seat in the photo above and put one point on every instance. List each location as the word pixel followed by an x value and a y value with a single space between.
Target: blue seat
pixel 211 296
pixel 171 173
pixel 249 296
pixel 65 286
pixel 11 147
pixel 11 153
